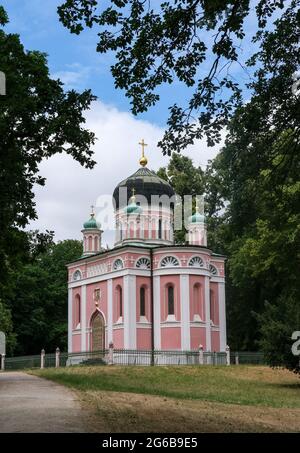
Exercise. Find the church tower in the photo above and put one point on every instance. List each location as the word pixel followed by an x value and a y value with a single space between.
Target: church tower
pixel 91 236
pixel 197 234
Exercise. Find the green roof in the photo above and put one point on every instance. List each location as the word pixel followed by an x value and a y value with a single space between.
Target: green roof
pixel 91 223
pixel 197 218
pixel 132 208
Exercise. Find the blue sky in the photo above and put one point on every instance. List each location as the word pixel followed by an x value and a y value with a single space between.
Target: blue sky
pixel 63 204
pixel 74 59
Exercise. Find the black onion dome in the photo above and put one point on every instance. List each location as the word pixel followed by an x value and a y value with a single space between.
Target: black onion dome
pixel 144 182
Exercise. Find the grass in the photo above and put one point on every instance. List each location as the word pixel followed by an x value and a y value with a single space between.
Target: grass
pixel 243 385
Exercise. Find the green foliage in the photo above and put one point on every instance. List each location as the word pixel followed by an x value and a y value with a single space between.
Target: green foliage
pixel 259 232
pixel 198 43
pixel 38 299
pixel 277 322
pixel 185 180
pixel 37 120
pixel 6 326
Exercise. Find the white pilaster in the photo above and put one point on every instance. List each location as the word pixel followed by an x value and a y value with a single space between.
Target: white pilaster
pixel 132 312
pixel 83 318
pixel 185 313
pixel 70 320
pixel 129 316
pixel 142 228
pixel 109 312
pixel 156 309
pixel 222 316
pixel 126 310
pixel 207 313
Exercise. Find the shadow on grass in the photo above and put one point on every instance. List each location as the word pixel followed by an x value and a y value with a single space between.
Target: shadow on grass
pixel 294 386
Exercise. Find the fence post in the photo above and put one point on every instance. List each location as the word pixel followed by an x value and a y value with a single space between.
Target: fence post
pixel 43 358
pixel 57 357
pixel 227 355
pixel 111 353
pixel 237 358
pixel 201 358
pixel 2 362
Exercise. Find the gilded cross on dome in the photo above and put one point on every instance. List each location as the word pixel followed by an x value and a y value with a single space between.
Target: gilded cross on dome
pixel 143 159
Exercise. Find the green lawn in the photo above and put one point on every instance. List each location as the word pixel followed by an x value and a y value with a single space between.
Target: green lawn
pixel 242 385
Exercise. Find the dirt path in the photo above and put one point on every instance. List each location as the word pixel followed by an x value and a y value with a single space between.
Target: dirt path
pixel 29 404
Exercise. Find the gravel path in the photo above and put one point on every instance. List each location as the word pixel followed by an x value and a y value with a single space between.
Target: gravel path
pixel 29 404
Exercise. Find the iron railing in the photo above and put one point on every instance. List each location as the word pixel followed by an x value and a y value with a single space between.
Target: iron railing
pixel 247 358
pixel 23 362
pixel 166 357
pixel 133 357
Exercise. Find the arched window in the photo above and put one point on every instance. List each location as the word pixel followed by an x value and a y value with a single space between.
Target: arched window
pixel 77 312
pixel 170 293
pixel 143 263
pixel 212 304
pixel 119 301
pixel 118 264
pixel 90 243
pixel 142 301
pixel 213 270
pixel 196 261
pixel 169 261
pixel 77 275
pixel 198 302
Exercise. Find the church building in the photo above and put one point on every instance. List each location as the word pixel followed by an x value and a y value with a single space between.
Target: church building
pixel 146 292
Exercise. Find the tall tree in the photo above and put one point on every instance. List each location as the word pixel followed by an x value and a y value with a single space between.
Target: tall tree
pixel 38 299
pixel 37 120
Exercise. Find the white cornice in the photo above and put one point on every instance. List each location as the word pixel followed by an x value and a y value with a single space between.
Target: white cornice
pixel 178 270
pixel 108 275
pixel 218 279
pixel 163 248
pixel 170 324
pixel 198 324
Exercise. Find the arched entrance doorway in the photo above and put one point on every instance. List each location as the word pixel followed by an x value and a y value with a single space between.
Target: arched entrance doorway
pixel 98 332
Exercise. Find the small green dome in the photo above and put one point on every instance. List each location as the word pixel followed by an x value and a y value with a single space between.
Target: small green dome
pixel 197 218
pixel 132 208
pixel 91 223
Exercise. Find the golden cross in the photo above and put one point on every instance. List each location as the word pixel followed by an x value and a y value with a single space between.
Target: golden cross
pixel 143 144
pixel 92 208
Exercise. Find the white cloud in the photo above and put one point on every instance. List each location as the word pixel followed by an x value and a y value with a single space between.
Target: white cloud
pixel 74 77
pixel 63 204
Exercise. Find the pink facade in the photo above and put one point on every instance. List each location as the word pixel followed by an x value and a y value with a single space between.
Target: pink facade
pixel 198 336
pixel 128 291
pixel 143 340
pixel 171 338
